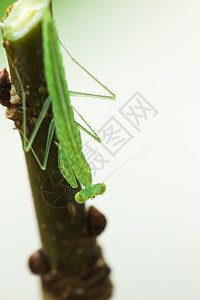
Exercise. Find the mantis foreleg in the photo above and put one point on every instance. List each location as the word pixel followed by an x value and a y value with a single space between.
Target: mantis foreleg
pixel 40 119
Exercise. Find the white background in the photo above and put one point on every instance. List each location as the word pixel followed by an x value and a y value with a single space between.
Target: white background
pixel 152 203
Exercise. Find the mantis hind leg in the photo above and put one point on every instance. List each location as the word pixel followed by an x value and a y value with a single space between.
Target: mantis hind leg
pixel 46 105
pixel 80 94
pixel 27 144
pixel 88 95
pixel 47 148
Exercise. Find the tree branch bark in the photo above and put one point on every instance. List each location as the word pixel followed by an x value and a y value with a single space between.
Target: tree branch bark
pixel 70 263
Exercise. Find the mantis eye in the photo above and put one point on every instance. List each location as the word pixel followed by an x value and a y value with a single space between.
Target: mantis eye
pixel 103 189
pixel 79 199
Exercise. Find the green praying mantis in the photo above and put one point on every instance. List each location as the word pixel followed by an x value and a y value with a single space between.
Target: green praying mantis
pixel 71 160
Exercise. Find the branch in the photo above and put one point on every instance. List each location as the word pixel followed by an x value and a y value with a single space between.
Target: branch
pixel 70 263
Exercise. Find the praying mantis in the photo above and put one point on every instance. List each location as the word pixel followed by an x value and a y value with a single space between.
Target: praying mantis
pixel 71 160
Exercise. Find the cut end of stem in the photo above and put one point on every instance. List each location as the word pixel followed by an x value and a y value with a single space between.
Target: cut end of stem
pixel 24 16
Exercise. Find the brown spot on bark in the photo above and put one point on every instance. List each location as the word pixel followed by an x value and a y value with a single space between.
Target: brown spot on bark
pixel 42 89
pixel 27 93
pixel 17 123
pixel 16 62
pixel 14 97
pixel 33 121
pixel 12 113
pixel 14 100
pixel 43 225
pixel 13 91
pixel 79 250
pixel 71 209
